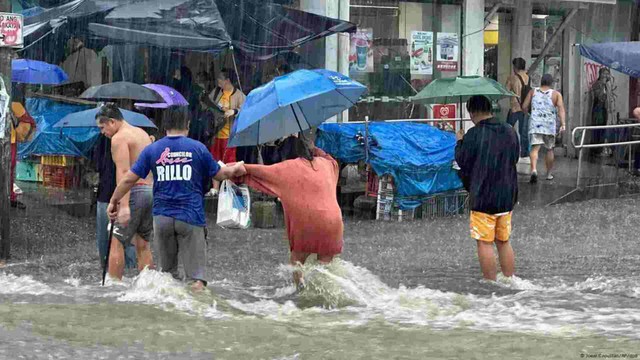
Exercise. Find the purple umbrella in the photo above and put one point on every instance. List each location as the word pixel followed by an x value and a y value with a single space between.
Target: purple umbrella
pixel 170 96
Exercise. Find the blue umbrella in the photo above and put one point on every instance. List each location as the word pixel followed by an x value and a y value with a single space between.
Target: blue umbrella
pixel 291 103
pixel 87 118
pixel 36 72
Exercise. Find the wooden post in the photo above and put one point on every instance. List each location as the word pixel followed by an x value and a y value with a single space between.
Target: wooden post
pixel 5 150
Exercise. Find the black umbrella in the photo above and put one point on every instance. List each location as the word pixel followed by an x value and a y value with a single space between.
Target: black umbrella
pixel 121 90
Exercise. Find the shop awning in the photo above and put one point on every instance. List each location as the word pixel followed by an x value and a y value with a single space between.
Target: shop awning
pixel 620 56
pixel 257 28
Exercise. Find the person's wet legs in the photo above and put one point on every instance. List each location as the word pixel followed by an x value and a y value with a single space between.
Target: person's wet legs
pixel 102 237
pixel 295 259
pixel 116 259
pixel 167 244
pixel 534 162
pixel 487 260
pixel 549 160
pixel 193 252
pixel 523 129
pixel 143 253
pixel 507 258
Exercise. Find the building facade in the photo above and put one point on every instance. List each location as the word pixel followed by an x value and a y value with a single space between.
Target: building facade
pixel 401 46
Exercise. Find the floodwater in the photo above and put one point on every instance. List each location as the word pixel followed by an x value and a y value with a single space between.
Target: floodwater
pixel 400 291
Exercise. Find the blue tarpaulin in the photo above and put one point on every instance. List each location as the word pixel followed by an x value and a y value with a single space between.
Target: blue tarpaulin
pixel 419 157
pixel 52 141
pixel 620 56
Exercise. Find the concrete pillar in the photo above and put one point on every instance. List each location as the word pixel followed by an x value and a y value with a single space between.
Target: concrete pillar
pixel 333 52
pixel 521 28
pixel 472 44
pixel 504 57
pixel 332 10
pixel 473 37
pixel 344 47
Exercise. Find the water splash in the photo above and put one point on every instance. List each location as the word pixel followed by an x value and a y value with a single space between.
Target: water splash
pixel 359 296
pixel 12 284
pixel 157 288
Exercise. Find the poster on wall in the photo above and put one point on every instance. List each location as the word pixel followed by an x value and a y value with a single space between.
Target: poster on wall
pixel 538 36
pixel 421 52
pixel 361 54
pixel 447 52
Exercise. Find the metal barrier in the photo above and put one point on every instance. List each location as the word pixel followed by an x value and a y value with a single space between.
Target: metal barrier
pixel 412 120
pixel 583 146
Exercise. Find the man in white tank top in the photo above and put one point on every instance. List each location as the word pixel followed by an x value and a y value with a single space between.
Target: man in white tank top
pixel 546 106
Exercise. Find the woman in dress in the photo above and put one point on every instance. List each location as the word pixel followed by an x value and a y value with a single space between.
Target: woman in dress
pixel 306 187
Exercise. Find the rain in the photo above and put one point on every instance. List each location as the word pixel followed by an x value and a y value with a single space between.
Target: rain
pixel 323 179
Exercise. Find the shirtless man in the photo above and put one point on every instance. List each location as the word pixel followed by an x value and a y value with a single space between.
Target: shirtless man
pixel 134 222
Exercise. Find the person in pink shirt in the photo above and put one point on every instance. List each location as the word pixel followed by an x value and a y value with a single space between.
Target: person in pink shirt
pixel 306 187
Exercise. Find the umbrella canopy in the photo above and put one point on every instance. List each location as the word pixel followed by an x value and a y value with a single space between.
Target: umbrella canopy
pixel 121 90
pixel 255 27
pixel 36 72
pixel 87 119
pixel 170 96
pixel 291 103
pixel 460 89
pixel 620 56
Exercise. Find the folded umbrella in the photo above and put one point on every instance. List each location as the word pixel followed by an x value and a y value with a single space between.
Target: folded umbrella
pixel 36 72
pixel 170 96
pixel 87 118
pixel 292 103
pixel 121 90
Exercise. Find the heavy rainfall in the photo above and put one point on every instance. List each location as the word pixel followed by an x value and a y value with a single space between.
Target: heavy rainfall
pixel 323 179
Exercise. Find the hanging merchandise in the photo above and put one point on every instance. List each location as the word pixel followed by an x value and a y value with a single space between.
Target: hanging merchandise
pixel 421 51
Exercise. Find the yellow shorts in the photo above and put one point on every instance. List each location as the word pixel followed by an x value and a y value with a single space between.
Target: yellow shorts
pixel 486 227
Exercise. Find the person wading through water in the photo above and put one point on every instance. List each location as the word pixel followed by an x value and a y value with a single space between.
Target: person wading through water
pixel 181 167
pixel 306 187
pixel 134 221
pixel 487 156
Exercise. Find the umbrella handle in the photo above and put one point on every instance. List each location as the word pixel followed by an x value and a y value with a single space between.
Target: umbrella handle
pixel 105 264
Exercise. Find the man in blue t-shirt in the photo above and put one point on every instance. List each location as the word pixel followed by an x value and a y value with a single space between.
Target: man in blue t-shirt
pixel 181 167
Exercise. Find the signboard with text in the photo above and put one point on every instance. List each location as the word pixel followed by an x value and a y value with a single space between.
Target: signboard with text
pixel 11 30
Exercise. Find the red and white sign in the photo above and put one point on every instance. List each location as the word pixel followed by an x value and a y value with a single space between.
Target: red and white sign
pixel 445 112
pixel 11 27
pixel 447 66
pixel 591 70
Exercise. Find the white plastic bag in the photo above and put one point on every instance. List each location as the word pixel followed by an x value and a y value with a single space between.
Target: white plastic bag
pixel 234 206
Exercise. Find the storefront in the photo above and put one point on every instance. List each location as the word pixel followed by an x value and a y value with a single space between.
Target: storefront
pixel 398 49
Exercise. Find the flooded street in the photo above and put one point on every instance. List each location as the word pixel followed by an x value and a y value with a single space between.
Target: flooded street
pixel 400 291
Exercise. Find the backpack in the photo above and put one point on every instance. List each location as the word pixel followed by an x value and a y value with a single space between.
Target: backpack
pixel 526 88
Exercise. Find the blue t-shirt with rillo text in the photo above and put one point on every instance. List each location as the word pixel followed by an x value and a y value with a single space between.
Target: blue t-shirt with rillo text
pixel 180 167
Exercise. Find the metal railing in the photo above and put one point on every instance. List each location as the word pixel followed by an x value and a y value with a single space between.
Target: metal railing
pixel 581 146
pixel 412 120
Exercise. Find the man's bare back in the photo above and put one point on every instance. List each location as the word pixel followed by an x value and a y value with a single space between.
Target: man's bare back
pixel 126 146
